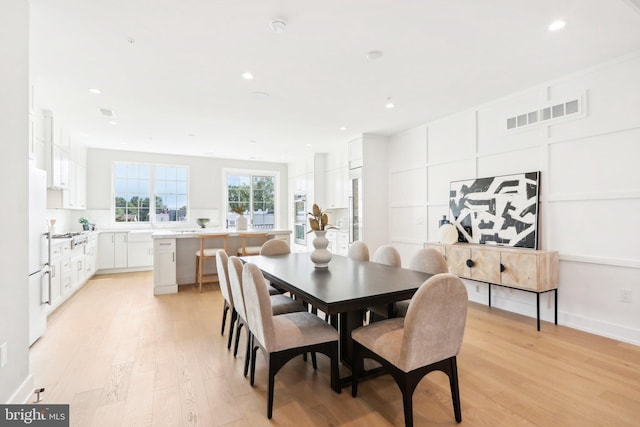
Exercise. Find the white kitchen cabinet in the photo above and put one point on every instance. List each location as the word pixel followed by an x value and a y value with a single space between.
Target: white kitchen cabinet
pixel 164 261
pixel 58 167
pixel 75 195
pixel 56 274
pixel 336 188
pixel 77 271
pixel 112 250
pixel 140 249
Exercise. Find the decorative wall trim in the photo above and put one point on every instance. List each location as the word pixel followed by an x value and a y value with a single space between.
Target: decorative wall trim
pixel 418 243
pixel 582 197
pixel 614 262
pixel 413 168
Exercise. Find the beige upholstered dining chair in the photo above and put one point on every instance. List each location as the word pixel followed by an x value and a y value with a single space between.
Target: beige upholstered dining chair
pixel 428 260
pixel 359 251
pixel 285 336
pixel 280 304
pixel 387 255
pixel 275 247
pixel 427 339
pixel 223 275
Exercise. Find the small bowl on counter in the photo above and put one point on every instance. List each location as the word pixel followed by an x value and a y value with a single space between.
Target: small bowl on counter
pixel 202 222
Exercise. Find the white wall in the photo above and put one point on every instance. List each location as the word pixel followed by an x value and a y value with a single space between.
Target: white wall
pixel 205 183
pixel 14 125
pixel 590 190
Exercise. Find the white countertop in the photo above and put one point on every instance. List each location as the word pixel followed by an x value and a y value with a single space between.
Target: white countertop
pixel 182 234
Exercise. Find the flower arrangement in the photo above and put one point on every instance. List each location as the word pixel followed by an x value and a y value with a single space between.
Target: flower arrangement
pixel 238 208
pixel 318 220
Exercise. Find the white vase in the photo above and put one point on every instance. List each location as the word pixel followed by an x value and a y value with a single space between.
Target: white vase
pixel 241 223
pixel 320 255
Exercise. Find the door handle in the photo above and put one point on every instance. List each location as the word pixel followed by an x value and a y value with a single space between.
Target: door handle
pixel 48 301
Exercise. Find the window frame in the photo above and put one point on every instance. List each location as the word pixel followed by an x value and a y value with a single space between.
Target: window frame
pixel 152 195
pixel 251 173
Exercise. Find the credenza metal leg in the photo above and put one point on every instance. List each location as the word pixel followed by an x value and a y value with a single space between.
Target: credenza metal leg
pixel 556 306
pixel 538 308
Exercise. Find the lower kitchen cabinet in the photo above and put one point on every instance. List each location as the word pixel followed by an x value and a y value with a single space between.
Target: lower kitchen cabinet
pixel 140 249
pixel 112 250
pixel 164 261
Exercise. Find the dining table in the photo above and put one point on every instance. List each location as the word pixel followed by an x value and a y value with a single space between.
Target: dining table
pixel 344 290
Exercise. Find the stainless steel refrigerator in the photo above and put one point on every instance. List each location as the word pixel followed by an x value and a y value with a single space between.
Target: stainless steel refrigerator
pixel 39 280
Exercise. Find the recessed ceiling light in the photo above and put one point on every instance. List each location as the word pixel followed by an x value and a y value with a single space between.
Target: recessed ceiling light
pixel 343 128
pixel 308 145
pixel 278 26
pixel 95 91
pixel 260 96
pixel 557 25
pixel 247 75
pixel 112 122
pixel 372 55
pixel 253 141
pixel 389 105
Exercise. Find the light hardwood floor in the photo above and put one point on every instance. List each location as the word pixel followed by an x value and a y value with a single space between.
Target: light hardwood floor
pixel 122 357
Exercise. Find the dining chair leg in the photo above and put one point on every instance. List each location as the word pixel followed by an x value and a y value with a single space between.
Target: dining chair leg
pixel 355 370
pixel 238 329
pixel 314 362
pixel 253 365
pixel 247 356
pixel 455 390
pixel 335 372
pixel 225 310
pixel 272 376
pixel 234 316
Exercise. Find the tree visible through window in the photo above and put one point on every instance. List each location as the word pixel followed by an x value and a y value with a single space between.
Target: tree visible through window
pixel 137 184
pixel 255 194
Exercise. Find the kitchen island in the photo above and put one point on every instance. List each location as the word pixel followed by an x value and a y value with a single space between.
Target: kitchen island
pixel 174 254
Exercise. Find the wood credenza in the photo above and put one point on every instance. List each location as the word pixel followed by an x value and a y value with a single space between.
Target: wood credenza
pixel 525 269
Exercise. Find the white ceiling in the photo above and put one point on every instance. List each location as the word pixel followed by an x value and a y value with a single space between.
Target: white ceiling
pixel 178 88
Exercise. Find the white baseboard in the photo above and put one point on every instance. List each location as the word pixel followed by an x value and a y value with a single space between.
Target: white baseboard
pixel 597 327
pixel 162 290
pixel 23 393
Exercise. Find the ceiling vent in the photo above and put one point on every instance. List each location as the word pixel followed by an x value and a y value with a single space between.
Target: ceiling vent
pixel 107 112
pixel 558 110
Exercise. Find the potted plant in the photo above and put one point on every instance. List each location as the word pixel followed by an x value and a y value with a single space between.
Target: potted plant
pixel 241 221
pixel 85 223
pixel 319 224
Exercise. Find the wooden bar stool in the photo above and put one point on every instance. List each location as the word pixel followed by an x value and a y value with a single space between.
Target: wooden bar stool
pixel 245 249
pixel 207 253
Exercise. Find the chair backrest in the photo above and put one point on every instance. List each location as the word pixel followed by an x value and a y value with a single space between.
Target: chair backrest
pixel 205 237
pixel 388 255
pixel 223 275
pixel 258 303
pixel 435 321
pixel 262 237
pixel 275 247
pixel 236 286
pixel 430 261
pixel 359 251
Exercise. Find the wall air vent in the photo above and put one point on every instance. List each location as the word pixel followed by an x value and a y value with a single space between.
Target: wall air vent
pixel 107 112
pixel 547 114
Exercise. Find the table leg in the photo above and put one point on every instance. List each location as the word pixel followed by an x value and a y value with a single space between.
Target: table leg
pixel 348 322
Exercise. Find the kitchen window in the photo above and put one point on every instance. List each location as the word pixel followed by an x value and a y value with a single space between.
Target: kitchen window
pixel 256 193
pixel 136 184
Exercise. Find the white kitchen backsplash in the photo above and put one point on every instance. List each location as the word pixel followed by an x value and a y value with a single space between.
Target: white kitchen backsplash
pixel 102 219
pixel 62 220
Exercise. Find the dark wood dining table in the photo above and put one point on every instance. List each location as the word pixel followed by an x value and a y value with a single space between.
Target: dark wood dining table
pixel 344 290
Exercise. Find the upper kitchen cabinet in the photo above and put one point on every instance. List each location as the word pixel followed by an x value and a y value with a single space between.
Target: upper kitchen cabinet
pixel 336 180
pixel 65 162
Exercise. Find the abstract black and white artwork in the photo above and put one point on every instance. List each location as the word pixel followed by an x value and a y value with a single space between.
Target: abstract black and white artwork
pixel 501 210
